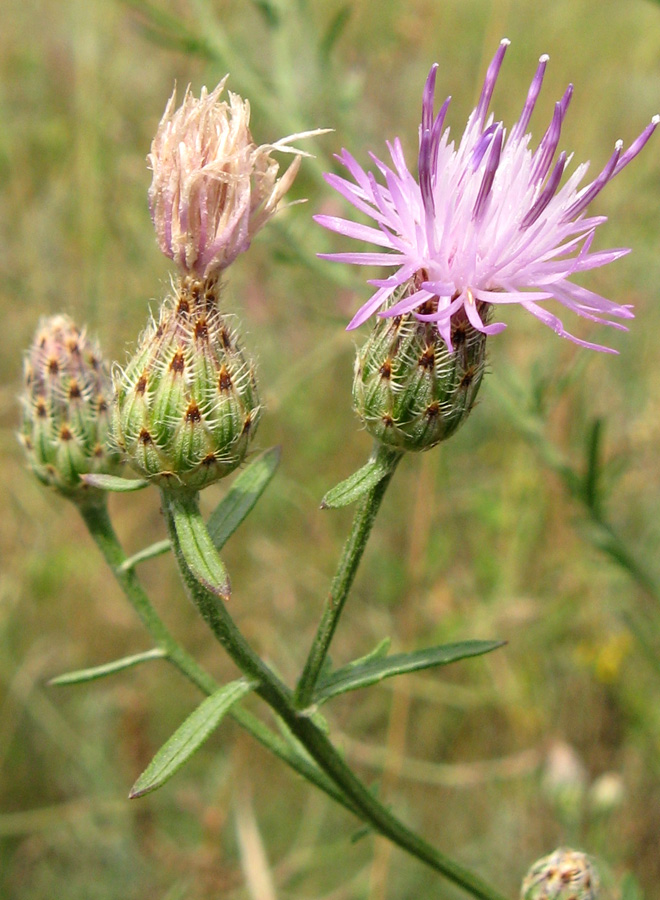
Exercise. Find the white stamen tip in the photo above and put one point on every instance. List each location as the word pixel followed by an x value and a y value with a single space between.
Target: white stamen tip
pixel 655 120
pixel 544 58
pixel 505 42
pixel 618 145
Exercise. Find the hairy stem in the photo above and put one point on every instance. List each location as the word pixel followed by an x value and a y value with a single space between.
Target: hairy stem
pixel 341 584
pixel 98 522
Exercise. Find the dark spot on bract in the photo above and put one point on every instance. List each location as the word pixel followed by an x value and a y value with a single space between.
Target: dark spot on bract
pixel 388 421
pixel 427 359
pixel 98 451
pixel 224 379
pixel 432 410
pixel 74 391
pixel 141 385
pixel 247 424
pixel 183 307
pixel 178 363
pixel 201 330
pixel 386 369
pixel 42 408
pixel 468 377
pixel 53 366
pixel 192 413
pixel 65 433
pixel 145 437
pixel 101 405
pixel 225 338
pixel 458 334
pixel 209 460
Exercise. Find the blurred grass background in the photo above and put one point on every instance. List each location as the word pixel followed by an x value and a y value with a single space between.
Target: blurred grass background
pixel 553 739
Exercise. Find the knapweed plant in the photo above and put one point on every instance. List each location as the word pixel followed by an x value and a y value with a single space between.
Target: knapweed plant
pixel 490 221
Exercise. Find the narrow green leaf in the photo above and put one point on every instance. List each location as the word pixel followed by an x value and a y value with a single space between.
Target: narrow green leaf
pixel 189 737
pixel 337 25
pixel 115 482
pixel 351 677
pixel 242 496
pixel 381 463
pixel 117 665
pixel 149 552
pixel 269 11
pixel 196 546
pixel 593 466
pixel 379 651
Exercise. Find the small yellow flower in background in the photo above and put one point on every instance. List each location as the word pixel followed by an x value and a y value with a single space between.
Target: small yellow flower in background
pixel 213 188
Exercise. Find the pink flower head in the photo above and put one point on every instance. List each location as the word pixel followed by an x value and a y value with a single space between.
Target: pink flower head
pixel 212 187
pixel 487 222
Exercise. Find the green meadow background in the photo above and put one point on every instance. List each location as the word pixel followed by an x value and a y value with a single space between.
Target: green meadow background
pixel 538 523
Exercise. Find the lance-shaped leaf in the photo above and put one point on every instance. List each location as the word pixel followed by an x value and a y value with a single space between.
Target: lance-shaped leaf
pixel 187 739
pixel 242 497
pixel 117 665
pixel 230 512
pixel 114 482
pixel 352 677
pixel 195 542
pixel 381 463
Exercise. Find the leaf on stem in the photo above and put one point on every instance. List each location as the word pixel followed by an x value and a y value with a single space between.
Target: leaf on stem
pixel 379 651
pixel 196 546
pixel 381 463
pixel 352 676
pixel 117 665
pixel 591 487
pixel 149 552
pixel 189 737
pixel 242 497
pixel 114 482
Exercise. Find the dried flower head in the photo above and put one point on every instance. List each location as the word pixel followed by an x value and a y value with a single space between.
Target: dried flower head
pixel 212 187
pixel 487 222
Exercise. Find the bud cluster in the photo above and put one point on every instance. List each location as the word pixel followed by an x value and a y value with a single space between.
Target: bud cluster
pixel 186 404
pixel 410 391
pixel 66 400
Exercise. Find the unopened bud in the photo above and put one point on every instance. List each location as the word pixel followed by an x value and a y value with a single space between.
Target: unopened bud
pixel 409 390
pixel 66 401
pixel 563 875
pixel 186 405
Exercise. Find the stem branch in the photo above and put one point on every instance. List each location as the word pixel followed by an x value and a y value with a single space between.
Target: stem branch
pixel 280 699
pixel 341 584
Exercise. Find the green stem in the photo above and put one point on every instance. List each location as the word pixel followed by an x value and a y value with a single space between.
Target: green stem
pixel 98 522
pixel 280 699
pixel 341 584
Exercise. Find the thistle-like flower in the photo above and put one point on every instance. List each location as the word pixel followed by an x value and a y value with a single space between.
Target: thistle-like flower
pixel 487 222
pixel 564 874
pixel 212 187
pixel 186 404
pixel 66 401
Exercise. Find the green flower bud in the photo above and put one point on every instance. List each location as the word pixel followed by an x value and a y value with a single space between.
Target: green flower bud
pixel 409 390
pixel 563 875
pixel 66 401
pixel 186 405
